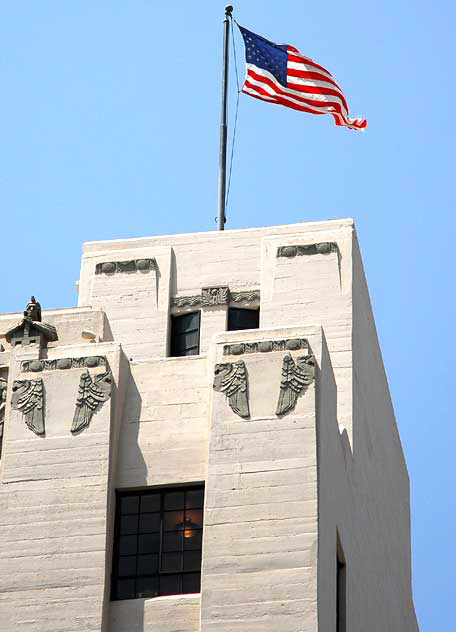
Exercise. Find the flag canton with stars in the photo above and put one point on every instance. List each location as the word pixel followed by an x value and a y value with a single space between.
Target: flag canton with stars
pixel 279 73
pixel 265 54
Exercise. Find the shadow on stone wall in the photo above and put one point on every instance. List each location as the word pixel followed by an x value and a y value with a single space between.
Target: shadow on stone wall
pixel 130 472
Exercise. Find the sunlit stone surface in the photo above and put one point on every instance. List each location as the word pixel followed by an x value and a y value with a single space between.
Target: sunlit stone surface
pixel 281 489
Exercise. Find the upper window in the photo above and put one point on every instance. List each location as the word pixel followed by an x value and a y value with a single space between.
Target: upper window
pixel 157 543
pixel 239 318
pixel 185 334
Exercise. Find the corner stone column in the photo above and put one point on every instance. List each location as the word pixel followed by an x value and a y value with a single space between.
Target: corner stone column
pixel 259 571
pixel 55 504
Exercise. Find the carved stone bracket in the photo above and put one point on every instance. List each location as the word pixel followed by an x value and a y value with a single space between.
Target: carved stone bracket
pixel 231 379
pixel 216 296
pixel 295 377
pixel 264 346
pixel 36 366
pixel 92 394
pixel 322 248
pixel 28 397
pixel 132 265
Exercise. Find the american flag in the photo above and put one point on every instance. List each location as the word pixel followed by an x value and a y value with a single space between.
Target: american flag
pixel 279 73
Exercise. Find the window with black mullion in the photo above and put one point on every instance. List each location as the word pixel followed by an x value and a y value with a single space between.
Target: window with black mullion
pixel 185 334
pixel 158 543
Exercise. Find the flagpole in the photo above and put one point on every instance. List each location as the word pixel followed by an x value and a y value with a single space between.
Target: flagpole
pixel 223 125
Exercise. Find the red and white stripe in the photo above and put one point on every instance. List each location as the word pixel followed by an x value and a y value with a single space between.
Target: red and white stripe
pixel 310 88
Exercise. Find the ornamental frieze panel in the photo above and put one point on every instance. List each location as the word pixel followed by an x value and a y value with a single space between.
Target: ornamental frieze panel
pixel 36 366
pixel 220 295
pixel 186 301
pixel 265 346
pixel 248 296
pixel 131 265
pixel 322 248
pixel 215 295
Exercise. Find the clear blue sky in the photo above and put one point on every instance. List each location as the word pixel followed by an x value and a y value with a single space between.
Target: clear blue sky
pixel 109 128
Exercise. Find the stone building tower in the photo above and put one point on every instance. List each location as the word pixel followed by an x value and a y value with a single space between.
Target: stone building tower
pixel 205 444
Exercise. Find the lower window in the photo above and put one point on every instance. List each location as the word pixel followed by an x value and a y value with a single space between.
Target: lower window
pixel 158 542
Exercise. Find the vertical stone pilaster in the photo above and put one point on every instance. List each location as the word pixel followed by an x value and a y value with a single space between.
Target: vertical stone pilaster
pixel 56 498
pixel 259 557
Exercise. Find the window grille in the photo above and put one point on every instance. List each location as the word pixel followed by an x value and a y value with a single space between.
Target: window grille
pixel 158 542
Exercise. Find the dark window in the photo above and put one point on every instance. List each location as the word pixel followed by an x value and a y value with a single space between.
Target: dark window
pixel 239 318
pixel 341 583
pixel 185 334
pixel 157 543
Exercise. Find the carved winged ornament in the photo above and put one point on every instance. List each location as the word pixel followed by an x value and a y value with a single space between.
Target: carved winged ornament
pixel 28 397
pixel 231 378
pixel 92 394
pixel 3 389
pixel 295 377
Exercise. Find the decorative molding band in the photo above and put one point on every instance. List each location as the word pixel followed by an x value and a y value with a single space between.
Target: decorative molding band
pixel 231 379
pixel 92 393
pixel 132 265
pixel 295 377
pixel 249 296
pixel 264 346
pixel 186 301
pixel 36 366
pixel 323 248
pixel 28 398
pixel 216 296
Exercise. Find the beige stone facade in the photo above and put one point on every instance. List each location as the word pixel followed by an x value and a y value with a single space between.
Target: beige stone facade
pixel 283 493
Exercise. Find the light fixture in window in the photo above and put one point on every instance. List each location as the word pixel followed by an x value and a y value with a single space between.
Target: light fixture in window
pixel 158 542
pixel 188 527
